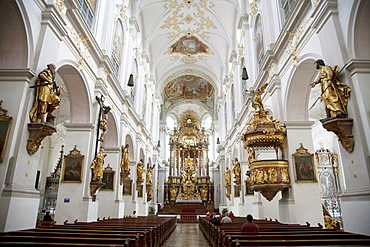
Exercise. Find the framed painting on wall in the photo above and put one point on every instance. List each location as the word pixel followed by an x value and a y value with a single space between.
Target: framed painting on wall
pixel 108 178
pixel 127 187
pixel 5 123
pixel 248 190
pixel 304 166
pixel 139 190
pixel 236 191
pixel 72 167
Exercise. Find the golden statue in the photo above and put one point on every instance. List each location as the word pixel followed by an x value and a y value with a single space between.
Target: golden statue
pixel 173 191
pixel 97 165
pixel 204 192
pixel 227 176
pixel 149 174
pixel 236 170
pixel 47 95
pixel 334 94
pixel 125 162
pixel 251 155
pixel 139 170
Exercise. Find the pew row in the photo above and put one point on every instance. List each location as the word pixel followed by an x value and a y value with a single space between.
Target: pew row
pixel 273 233
pixel 133 232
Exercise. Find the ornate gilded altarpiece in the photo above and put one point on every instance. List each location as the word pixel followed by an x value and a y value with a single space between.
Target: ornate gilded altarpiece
pixel 189 169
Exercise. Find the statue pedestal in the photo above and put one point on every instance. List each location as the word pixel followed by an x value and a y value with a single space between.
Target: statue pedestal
pixel 94 189
pixel 124 176
pixel 342 127
pixel 38 132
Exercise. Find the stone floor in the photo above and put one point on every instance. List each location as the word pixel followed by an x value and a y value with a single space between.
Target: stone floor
pixel 186 234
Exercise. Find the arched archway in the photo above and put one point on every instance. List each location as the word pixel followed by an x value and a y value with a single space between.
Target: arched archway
pixel 361 31
pixel 128 140
pixel 13 48
pixel 111 139
pixel 299 91
pixel 78 94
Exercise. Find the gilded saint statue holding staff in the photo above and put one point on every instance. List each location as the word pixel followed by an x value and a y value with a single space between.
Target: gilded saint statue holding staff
pixel 334 94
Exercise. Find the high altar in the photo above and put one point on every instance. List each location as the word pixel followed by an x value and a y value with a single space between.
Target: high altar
pixel 188 178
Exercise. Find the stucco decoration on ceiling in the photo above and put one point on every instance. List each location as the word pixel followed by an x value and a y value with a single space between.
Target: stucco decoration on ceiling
pixel 188 45
pixel 187 17
pixel 188 87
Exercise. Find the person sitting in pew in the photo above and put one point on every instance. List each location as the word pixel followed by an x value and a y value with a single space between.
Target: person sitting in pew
pixel 208 216
pixel 249 226
pixel 214 220
pixel 47 216
pixel 134 214
pixel 231 214
pixel 226 219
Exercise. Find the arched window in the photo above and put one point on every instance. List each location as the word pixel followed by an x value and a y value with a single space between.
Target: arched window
pixel 170 122
pixel 117 46
pixel 259 37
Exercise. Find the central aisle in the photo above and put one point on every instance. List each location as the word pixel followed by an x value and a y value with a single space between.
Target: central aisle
pixel 186 234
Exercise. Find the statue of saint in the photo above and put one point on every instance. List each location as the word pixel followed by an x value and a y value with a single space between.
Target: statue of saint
pixel 334 94
pixel 149 174
pixel 125 162
pixel 227 176
pixel 47 95
pixel 97 165
pixel 139 170
pixel 236 169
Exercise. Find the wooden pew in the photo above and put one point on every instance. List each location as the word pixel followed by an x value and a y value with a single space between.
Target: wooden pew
pixel 275 233
pixel 132 232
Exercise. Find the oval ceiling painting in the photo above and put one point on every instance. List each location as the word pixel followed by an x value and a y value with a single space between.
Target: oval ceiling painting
pixel 189 87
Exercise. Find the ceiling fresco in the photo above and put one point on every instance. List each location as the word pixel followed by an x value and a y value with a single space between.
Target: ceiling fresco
pixel 189 45
pixel 188 87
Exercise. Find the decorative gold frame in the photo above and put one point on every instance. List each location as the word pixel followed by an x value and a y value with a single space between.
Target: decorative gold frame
pixel 127 187
pixel 304 166
pixel 72 167
pixel 237 190
pixel 248 190
pixel 139 189
pixel 5 124
pixel 108 179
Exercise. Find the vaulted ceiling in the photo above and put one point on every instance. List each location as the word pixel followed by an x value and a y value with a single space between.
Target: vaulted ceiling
pixel 188 43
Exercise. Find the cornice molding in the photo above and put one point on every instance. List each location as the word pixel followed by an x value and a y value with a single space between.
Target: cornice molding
pixel 323 11
pixel 359 66
pixel 79 126
pixel 52 18
pixel 16 74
